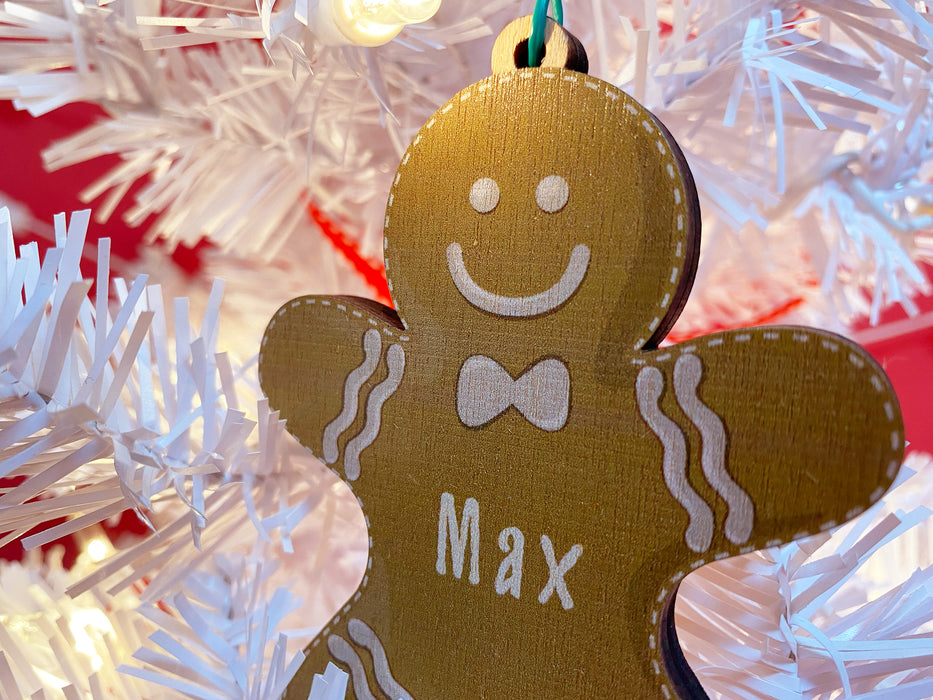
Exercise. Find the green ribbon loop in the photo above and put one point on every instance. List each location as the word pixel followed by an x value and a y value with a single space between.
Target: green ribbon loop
pixel 538 27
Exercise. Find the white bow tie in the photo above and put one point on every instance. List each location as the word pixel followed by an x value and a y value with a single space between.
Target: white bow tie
pixel 485 390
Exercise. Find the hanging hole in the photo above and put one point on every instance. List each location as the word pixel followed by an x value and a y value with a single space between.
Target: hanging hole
pixel 521 54
pixel 561 49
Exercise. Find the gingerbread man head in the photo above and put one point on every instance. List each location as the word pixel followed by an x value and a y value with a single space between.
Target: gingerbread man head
pixel 555 203
pixel 537 475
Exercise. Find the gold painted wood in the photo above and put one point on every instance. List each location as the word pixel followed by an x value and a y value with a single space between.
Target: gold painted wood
pixel 542 235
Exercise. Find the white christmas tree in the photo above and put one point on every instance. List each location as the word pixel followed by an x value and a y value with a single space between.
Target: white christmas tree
pixel 272 131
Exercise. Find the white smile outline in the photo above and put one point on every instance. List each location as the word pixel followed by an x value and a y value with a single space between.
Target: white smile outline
pixel 519 307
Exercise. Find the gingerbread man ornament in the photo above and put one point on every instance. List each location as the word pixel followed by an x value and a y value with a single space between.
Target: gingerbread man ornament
pixel 537 474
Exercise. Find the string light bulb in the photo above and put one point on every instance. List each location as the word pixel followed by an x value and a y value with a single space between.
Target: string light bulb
pixel 367 22
pixel 98 550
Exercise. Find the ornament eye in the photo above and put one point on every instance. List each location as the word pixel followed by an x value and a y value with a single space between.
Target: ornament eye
pixel 552 193
pixel 484 195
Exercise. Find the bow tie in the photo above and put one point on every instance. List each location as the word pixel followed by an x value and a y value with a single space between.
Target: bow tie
pixel 485 390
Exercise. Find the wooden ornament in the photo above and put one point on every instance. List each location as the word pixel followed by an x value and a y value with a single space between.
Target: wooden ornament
pixel 537 474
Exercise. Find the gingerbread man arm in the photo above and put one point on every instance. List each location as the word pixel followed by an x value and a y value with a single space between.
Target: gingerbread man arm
pixel 765 435
pixel 788 431
pixel 329 364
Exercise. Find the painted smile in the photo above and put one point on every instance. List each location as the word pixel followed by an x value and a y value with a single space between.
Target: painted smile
pixel 533 305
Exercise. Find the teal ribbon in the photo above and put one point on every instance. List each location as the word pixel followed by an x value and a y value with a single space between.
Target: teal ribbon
pixel 538 27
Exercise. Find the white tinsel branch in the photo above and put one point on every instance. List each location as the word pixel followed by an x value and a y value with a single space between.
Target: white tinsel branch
pixel 214 632
pixel 808 130
pixel 234 138
pixel 86 383
pixel 55 646
pixel 215 638
pixel 108 406
pixel 846 614
pixel 807 126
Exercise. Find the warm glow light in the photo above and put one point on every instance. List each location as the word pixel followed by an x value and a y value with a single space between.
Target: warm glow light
pixel 392 11
pixel 98 622
pixel 368 22
pixel 97 550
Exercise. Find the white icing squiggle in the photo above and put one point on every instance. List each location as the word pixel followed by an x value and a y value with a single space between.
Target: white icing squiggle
pixel 362 634
pixel 343 652
pixel 687 374
pixel 372 345
pixel 648 389
pixel 395 359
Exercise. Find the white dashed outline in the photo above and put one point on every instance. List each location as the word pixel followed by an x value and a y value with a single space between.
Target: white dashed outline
pixel 331 626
